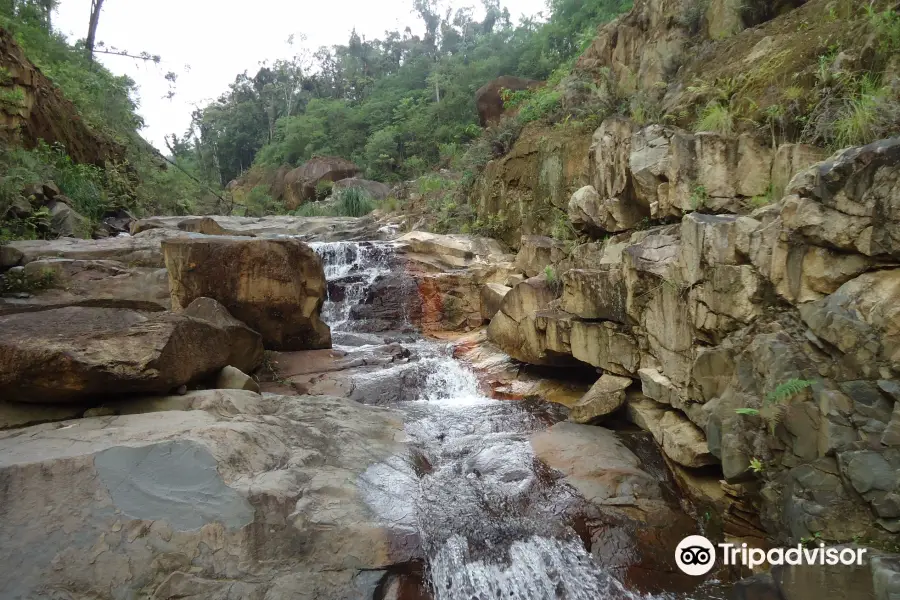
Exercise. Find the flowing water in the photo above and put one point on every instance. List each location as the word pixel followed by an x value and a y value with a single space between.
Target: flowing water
pixel 493 523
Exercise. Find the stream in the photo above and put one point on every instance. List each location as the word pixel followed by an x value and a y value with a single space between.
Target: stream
pixel 493 521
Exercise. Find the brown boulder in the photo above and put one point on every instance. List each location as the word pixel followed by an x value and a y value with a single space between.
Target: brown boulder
pixel 489 99
pixel 245 344
pixel 67 354
pixel 275 286
pixel 300 184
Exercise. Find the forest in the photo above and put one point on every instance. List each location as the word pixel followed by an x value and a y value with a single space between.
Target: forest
pixel 396 106
pixel 399 106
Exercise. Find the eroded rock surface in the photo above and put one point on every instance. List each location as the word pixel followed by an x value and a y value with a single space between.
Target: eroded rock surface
pixel 276 287
pixel 233 499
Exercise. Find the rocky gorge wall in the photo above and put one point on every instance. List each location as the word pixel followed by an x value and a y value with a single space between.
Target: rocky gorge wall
pixel 763 340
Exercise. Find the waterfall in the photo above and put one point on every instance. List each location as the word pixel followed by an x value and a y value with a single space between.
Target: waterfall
pixel 488 523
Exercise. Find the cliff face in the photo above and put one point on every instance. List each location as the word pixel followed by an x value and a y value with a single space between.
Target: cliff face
pixel 748 289
pixel 32 108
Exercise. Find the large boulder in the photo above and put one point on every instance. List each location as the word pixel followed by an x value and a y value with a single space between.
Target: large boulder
pixel 300 184
pixel 245 345
pixel 65 221
pixel 226 495
pixel 70 354
pixel 277 286
pixel 489 97
pixel 604 398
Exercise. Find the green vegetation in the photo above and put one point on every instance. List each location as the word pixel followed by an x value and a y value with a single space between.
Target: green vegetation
pixel 553 280
pixel 788 390
pixel 398 106
pixel 354 202
pixel 699 197
pixel 14 282
pixel 259 203
pixel 757 466
pixel 776 402
pixel 135 181
pixel 351 202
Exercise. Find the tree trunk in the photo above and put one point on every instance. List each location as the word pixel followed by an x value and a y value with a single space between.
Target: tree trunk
pixel 96 5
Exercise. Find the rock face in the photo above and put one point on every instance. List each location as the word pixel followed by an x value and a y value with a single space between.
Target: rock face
pixel 69 354
pixel 44 113
pixel 529 188
pixel 276 287
pixel 790 311
pixel 489 99
pixel 231 496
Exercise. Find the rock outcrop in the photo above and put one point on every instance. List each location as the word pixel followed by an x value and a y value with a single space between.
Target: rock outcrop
pixel 72 354
pixel 44 114
pixel 276 287
pixel 529 188
pixel 761 342
pixel 215 494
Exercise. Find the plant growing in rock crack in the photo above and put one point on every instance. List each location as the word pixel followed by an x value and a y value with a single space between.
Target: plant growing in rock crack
pixel 553 281
pixel 776 402
pixel 699 196
pixel 757 466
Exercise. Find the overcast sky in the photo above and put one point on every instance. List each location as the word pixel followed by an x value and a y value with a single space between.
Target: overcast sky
pixel 217 39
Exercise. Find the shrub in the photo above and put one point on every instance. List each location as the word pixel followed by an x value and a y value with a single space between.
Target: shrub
pixel 716 117
pixel 553 280
pixel 354 202
pixel 853 112
pixel 260 203
pixel 323 189
pixel 692 15
pixel 316 209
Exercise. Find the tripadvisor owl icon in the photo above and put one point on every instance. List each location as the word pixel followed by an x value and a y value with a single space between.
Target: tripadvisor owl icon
pixel 695 555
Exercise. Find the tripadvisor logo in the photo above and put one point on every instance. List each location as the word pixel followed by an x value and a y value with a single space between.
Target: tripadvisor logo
pixel 696 555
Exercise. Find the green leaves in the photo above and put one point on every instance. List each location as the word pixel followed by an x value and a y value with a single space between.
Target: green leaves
pixel 787 390
pixel 749 412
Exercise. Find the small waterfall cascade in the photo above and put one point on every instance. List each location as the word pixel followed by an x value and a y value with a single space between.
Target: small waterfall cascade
pixel 489 521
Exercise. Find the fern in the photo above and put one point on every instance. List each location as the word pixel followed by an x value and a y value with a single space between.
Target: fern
pixel 788 390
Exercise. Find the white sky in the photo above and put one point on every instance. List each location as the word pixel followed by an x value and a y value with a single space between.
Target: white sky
pixel 218 39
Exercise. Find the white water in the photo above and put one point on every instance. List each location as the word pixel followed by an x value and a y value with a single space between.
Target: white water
pixel 364 262
pixel 489 525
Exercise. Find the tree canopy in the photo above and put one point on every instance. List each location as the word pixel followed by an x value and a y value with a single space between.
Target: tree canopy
pixel 397 105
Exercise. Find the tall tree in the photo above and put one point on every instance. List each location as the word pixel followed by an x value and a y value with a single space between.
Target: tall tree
pixel 96 6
